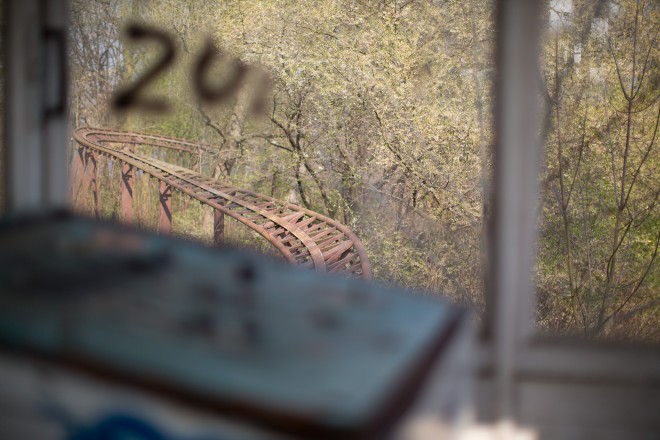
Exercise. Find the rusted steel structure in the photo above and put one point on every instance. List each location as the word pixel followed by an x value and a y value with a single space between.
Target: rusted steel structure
pixel 303 237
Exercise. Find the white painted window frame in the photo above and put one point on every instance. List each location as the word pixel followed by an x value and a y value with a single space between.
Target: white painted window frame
pixel 35 111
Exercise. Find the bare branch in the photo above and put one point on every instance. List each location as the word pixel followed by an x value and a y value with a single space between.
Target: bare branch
pixel 618 71
pixel 646 155
pixel 636 288
pixel 210 123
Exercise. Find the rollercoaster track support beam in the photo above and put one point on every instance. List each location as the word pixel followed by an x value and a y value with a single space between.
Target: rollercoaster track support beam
pixel 82 185
pixel 218 227
pixel 328 254
pixel 165 215
pixel 77 172
pixel 90 178
pixel 94 160
pixel 127 181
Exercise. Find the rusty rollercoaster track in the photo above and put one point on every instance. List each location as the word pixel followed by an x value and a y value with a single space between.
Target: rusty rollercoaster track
pixel 302 236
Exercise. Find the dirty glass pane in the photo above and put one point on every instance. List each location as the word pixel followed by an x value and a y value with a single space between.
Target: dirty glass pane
pixel 374 115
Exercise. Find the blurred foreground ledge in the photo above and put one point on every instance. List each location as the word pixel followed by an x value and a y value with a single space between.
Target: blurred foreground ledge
pixel 107 330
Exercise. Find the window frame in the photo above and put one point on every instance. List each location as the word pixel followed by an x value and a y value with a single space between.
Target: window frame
pixel 510 350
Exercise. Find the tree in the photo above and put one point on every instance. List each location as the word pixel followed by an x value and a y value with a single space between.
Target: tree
pixel 600 175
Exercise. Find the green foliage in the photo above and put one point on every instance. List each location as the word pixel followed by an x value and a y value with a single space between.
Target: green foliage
pixel 597 266
pixel 377 115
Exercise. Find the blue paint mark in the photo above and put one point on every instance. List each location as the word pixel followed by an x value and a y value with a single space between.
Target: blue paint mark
pixel 125 427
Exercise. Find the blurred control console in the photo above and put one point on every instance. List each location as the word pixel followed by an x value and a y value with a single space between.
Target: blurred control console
pixel 127 318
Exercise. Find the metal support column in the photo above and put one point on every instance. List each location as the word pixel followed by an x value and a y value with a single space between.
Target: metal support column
pixel 126 193
pixel 94 161
pixel 165 217
pixel 90 161
pixel 77 173
pixel 218 227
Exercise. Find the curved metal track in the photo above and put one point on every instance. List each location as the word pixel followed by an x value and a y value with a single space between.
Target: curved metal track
pixel 304 237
